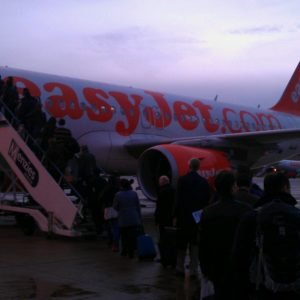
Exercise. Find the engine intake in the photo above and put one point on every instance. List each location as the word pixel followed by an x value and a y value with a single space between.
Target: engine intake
pixel 172 160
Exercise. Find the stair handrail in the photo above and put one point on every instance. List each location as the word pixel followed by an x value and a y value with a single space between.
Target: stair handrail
pixel 28 139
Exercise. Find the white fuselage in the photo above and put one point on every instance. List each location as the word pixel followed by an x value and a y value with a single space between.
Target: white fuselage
pixel 107 117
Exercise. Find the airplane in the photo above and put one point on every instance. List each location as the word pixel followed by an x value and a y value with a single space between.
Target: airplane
pixel 147 133
pixel 289 167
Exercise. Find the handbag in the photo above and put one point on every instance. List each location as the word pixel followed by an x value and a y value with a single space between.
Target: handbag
pixel 110 213
pixel 207 289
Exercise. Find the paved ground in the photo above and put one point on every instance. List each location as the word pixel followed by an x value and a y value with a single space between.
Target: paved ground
pixel 36 268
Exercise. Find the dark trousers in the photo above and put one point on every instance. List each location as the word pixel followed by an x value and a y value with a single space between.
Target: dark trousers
pixel 128 240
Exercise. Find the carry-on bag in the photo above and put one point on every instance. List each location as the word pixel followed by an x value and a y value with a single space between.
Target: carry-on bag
pixel 145 247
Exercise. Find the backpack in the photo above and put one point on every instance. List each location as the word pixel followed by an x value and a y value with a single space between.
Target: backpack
pixel 278 247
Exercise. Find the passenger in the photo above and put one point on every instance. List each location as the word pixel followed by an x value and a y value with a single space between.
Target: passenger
pixel 279 222
pixel 254 189
pixel 10 97
pixel 127 203
pixel 193 194
pixel 61 133
pixel 268 194
pixel 56 154
pixel 111 222
pixel 47 132
pixel 87 163
pixel 244 181
pixel 218 226
pixel 163 214
pixel 37 119
pixel 165 204
pixel 25 110
pixel 95 185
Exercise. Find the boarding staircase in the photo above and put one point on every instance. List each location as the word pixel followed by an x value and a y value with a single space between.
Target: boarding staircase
pixel 33 195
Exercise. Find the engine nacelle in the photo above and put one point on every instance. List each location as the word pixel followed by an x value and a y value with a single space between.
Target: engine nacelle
pixel 172 160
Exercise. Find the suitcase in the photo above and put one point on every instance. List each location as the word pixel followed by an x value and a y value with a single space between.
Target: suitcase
pixel 145 247
pixel 167 247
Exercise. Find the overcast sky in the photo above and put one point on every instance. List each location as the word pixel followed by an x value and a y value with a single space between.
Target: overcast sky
pixel 243 50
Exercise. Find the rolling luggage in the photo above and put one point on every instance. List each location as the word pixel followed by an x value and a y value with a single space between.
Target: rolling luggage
pixel 167 247
pixel 145 247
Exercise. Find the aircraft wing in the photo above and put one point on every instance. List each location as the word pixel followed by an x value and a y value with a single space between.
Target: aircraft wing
pixel 260 147
pixel 260 137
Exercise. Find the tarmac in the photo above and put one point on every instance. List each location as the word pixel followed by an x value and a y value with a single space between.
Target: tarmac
pixel 34 267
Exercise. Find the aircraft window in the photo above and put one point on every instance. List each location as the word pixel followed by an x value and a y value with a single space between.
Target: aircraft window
pixel 113 109
pixel 103 109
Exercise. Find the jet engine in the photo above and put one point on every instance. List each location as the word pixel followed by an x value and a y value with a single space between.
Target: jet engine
pixel 172 160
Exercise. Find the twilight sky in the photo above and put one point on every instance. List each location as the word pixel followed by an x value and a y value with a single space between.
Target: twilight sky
pixel 243 50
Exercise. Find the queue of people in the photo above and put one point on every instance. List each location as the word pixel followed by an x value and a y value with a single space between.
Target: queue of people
pixel 248 247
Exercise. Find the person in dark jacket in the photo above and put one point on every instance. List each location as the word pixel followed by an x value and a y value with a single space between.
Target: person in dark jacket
pixel 270 191
pixel 25 109
pixel 218 225
pixel 10 97
pixel 47 132
pixel 127 203
pixel 61 133
pixel 87 163
pixel 243 194
pixel 164 204
pixel 111 222
pixel 193 194
pixel 276 187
